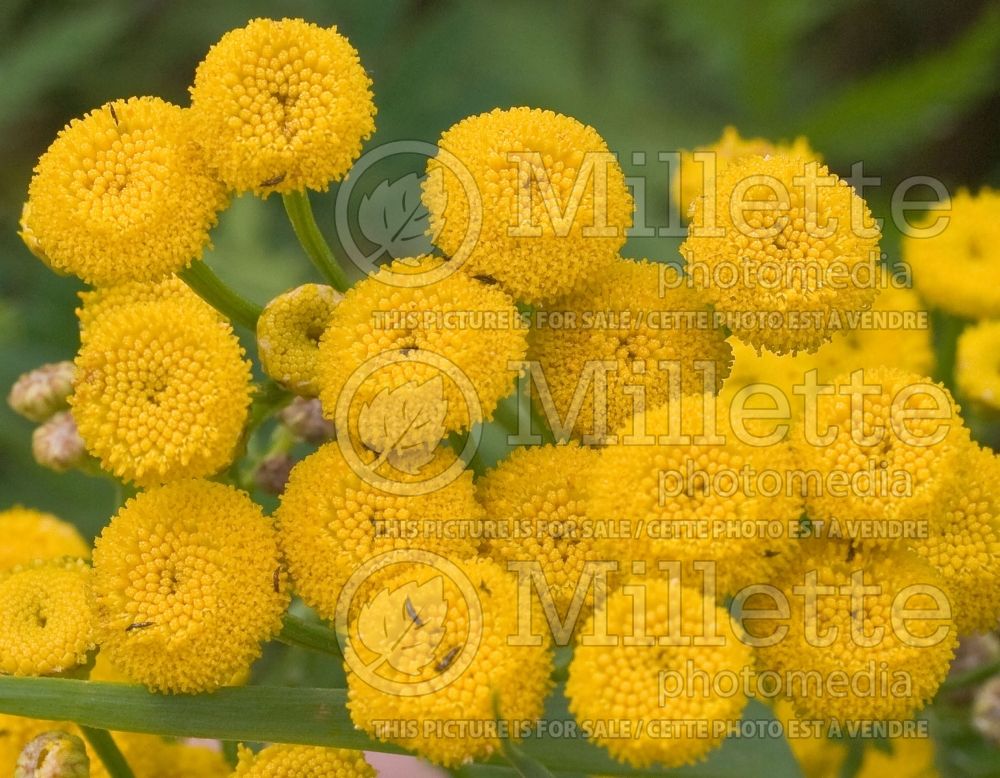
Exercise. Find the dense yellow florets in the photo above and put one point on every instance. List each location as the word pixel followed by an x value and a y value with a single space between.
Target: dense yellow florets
pixel 977 369
pixel 155 401
pixel 696 175
pixel 615 685
pixel 550 206
pixel 405 355
pixel 31 536
pixel 464 665
pixel 45 624
pixel 958 270
pixel 790 253
pixel 636 316
pixel 282 761
pixel 288 334
pixel 187 584
pixel 282 106
pixel 890 635
pixel 331 520
pixel 151 756
pixel 121 195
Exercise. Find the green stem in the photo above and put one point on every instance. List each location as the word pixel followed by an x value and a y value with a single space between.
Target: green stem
pixel 314 637
pixel 300 213
pixel 210 288
pixel 106 748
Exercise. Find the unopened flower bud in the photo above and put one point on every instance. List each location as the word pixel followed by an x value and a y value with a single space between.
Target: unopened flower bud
pixel 304 418
pixel 271 475
pixel 55 754
pixel 57 445
pixel 986 711
pixel 38 394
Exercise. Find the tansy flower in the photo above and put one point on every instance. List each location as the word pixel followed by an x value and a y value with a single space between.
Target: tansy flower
pixel 855 612
pixel 187 584
pixel 686 470
pixel 331 520
pixel 151 756
pixel 410 356
pixel 288 334
pixel 622 681
pixel 282 106
pixel 31 536
pixel 550 208
pixel 539 494
pixel 696 175
pixel 162 391
pixel 888 456
pixel 464 662
pixel 122 195
pixel 790 254
pixel 958 269
pixel 282 761
pixel 45 624
pixel 40 393
pixel 977 371
pixel 963 541
pixel 16 732
pixel 638 315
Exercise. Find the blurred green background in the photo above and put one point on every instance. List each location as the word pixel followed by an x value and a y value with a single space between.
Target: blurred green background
pixel 908 86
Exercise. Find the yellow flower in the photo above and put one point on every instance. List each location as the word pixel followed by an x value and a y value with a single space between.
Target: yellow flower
pixel 447 684
pixel 187 584
pixel 958 270
pixel 151 756
pixel 881 470
pixel 841 636
pixel 282 106
pixel 418 351
pixel 977 371
pixel 689 181
pixel 331 520
pixel 723 498
pixel 610 685
pixel 550 206
pixel 791 253
pixel 122 195
pixel 16 732
pixel 31 536
pixel 281 761
pixel 963 541
pixel 45 624
pixel 288 334
pixel 162 391
pixel 628 324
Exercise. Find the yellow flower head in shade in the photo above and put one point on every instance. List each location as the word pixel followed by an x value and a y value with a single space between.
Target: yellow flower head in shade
pixel 977 370
pixel 31 536
pixel 619 682
pixel 331 520
pixel 463 665
pixel 958 269
pixel 187 584
pixel 617 332
pixel 539 496
pixel 282 106
pixel 550 206
pixel 415 362
pixel 283 761
pixel 122 195
pixel 16 732
pixel 694 173
pixel 288 334
pixel 790 253
pixel 887 457
pixel 45 624
pixel 855 618
pixel 151 756
pixel 694 490
pixel 161 392
pixel 963 542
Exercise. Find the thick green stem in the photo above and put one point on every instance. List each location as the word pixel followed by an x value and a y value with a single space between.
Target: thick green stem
pixel 108 752
pixel 210 288
pixel 315 637
pixel 300 213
